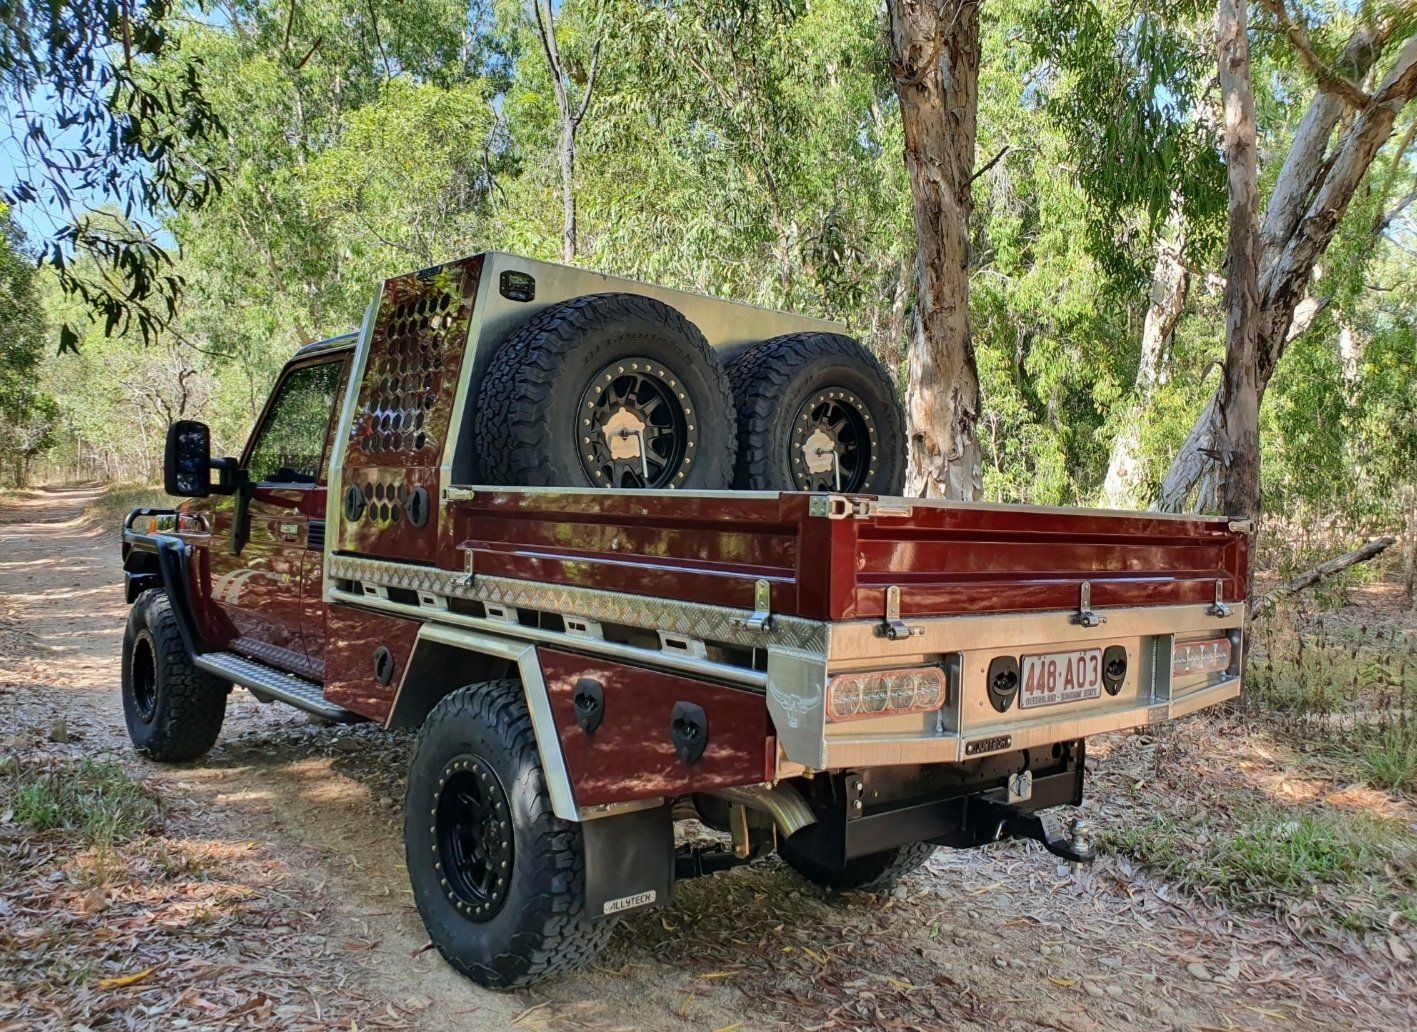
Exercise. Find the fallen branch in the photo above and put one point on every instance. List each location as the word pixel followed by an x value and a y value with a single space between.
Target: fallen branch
pixel 1309 578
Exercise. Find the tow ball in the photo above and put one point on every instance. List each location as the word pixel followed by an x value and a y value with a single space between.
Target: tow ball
pixel 994 820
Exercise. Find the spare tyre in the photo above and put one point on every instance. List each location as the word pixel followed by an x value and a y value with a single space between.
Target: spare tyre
pixel 817 412
pixel 606 390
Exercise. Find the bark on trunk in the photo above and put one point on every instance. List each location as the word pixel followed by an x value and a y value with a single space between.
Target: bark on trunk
pixel 1288 261
pixel 934 55
pixel 1238 404
pixel 1170 283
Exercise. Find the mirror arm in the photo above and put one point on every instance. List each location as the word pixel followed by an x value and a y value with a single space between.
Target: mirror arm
pixel 231 475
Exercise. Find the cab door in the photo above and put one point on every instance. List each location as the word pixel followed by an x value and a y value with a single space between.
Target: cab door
pixel 259 543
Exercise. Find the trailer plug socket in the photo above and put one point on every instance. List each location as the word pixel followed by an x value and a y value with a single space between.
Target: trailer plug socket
pixel 1002 681
pixel 1114 668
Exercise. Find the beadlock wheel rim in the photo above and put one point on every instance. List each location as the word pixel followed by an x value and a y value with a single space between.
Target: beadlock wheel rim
pixel 144 680
pixel 635 426
pixel 833 428
pixel 471 833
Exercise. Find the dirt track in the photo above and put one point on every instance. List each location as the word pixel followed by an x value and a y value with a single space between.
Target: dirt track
pixel 1001 938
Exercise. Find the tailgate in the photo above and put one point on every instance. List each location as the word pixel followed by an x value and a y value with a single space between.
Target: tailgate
pixel 951 558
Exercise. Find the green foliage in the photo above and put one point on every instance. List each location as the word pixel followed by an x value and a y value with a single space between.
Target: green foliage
pixel 1261 856
pixel 27 413
pixel 95 801
pixel 100 101
pixel 754 151
pixel 1128 85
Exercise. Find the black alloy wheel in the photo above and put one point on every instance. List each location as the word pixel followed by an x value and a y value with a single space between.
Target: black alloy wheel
pixel 816 412
pixel 834 442
pixel 613 391
pixel 471 834
pixel 636 425
pixel 144 678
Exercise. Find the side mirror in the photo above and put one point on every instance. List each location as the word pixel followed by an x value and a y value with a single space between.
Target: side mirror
pixel 187 461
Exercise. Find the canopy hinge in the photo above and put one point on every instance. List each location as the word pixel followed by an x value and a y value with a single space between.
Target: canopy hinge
pixel 841 507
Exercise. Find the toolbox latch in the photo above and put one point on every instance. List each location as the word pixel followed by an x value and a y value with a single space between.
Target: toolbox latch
pixel 1218 607
pixel 761 620
pixel 893 627
pixel 1085 617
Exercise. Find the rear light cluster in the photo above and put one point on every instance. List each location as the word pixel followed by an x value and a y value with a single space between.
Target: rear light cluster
pixel 886 693
pixel 1201 657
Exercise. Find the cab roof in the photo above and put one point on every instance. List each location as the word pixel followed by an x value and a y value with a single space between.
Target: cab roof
pixel 319 347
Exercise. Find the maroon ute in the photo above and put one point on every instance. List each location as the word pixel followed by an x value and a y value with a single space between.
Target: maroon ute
pixel 501 514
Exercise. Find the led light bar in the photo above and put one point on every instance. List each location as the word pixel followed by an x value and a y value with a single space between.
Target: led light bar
pixel 1201 657
pixel 886 693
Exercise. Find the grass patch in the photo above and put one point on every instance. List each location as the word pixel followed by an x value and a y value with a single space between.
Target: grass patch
pixel 1348 869
pixel 120 499
pixel 1388 757
pixel 1349 690
pixel 96 802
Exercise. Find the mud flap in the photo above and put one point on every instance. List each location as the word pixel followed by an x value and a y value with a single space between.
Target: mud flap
pixel 629 861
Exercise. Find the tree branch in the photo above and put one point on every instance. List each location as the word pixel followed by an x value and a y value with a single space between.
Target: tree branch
pixel 1309 578
pixel 989 164
pixel 589 82
pixel 1330 81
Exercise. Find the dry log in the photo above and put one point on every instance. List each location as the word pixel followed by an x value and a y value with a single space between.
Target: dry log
pixel 1309 578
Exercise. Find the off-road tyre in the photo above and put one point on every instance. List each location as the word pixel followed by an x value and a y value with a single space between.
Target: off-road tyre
pixel 540 926
pixel 538 392
pixel 173 710
pixel 778 381
pixel 875 872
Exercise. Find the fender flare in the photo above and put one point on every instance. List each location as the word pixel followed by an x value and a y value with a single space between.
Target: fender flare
pixel 174 568
pixel 434 640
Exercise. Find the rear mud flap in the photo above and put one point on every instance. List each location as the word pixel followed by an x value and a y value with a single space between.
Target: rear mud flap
pixel 629 861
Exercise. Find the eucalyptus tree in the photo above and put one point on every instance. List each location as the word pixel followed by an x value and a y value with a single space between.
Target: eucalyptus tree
pixel 571 111
pixel 27 412
pixel 90 123
pixel 934 54
pixel 1345 126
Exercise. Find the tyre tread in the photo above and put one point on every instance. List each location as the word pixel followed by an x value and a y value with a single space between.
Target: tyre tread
pixel 760 377
pixel 565 938
pixel 513 419
pixel 192 702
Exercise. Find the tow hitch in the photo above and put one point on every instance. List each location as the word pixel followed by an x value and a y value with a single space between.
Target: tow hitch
pixel 993 821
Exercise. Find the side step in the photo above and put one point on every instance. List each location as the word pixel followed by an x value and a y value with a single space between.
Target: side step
pixel 265 681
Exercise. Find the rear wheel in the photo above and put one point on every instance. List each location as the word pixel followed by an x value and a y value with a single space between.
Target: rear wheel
pixel 607 390
pixel 173 710
pixel 497 877
pixel 875 872
pixel 816 412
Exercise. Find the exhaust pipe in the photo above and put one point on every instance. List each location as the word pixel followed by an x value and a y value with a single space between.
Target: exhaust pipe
pixel 784 804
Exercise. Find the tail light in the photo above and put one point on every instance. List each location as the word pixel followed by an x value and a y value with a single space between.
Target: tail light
pixel 886 693
pixel 1201 657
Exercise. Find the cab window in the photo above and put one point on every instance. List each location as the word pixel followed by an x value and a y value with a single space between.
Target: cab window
pixel 290 447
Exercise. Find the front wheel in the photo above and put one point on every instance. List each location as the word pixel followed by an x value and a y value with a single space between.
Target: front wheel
pixel 173 709
pixel 875 872
pixel 498 879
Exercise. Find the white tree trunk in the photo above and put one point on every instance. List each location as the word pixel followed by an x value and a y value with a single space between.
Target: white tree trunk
pixel 934 57
pixel 1288 264
pixel 1125 483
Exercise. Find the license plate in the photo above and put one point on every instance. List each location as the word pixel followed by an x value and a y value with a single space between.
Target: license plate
pixel 1056 677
